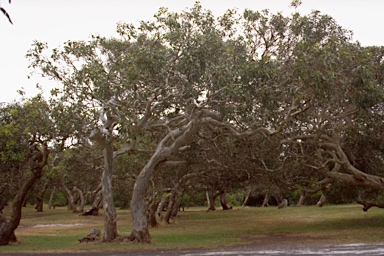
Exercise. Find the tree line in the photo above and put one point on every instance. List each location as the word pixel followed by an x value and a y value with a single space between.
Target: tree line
pixel 191 103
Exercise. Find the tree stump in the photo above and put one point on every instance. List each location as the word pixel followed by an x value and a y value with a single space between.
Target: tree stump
pixel 93 236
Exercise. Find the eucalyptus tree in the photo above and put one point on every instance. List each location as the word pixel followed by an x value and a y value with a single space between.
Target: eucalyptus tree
pixel 25 131
pixel 344 110
pixel 184 73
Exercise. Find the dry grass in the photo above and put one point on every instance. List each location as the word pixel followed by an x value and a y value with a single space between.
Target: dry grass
pixel 195 228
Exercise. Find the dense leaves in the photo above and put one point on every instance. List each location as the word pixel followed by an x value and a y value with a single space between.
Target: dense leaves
pixel 254 99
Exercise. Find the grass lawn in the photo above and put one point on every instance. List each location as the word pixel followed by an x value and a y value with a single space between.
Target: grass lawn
pixel 58 230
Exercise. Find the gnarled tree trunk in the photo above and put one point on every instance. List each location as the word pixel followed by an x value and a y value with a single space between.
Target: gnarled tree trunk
pixel 97 203
pixel 68 194
pixel 7 228
pixel 81 196
pixel 40 199
pixel 266 200
pixel 223 201
pixel 169 145
pixel 211 198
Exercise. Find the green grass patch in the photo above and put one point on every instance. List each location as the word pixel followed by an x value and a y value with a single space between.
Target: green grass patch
pixel 58 230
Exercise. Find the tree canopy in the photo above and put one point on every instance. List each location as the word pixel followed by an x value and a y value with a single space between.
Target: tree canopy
pixel 245 98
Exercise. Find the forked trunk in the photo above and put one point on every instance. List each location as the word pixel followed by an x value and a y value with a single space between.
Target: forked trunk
pixel 175 139
pixel 81 196
pixel 171 203
pixel 71 202
pixel 211 198
pixel 159 215
pixel 266 200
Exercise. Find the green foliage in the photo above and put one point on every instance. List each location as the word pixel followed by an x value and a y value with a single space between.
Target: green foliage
pixel 251 69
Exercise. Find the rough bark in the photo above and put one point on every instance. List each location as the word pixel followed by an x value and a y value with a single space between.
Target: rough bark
pixel 7 228
pixel 223 201
pixel 369 204
pixel 3 203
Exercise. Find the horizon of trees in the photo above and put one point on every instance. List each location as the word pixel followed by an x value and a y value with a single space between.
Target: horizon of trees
pixel 189 104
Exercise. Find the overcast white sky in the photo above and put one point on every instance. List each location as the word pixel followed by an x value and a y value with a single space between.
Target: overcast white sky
pixel 56 21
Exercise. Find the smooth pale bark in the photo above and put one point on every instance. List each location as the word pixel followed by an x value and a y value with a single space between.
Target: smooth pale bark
pixel 350 175
pixel 81 196
pixel 110 226
pixel 175 139
pixel 51 198
pixel 266 200
pixel 7 228
pixel 246 197
pixel 97 203
pixel 208 199
pixel 321 201
pixel 212 198
pixel 159 216
pixel 301 200
pixel 68 194
pixel 175 196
